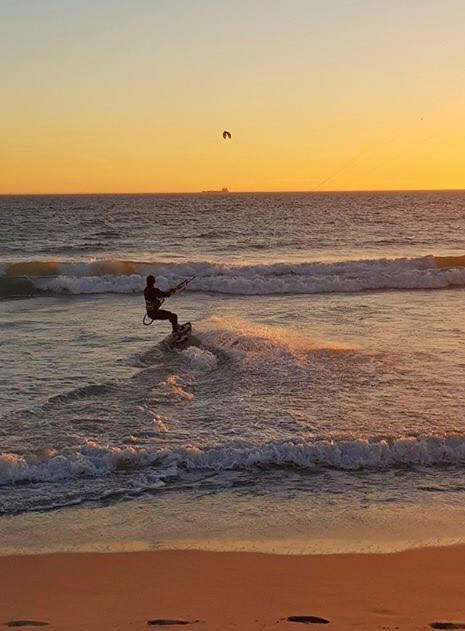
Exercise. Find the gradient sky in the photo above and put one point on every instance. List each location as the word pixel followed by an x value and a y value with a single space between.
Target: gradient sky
pixel 132 95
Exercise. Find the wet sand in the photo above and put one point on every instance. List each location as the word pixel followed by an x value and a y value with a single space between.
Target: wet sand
pixel 234 590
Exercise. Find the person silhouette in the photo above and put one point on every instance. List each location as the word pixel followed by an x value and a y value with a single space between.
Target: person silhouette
pixel 154 299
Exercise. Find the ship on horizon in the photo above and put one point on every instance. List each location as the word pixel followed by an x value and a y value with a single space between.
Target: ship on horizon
pixel 223 190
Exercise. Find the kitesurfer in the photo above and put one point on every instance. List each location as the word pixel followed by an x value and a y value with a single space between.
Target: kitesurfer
pixel 153 300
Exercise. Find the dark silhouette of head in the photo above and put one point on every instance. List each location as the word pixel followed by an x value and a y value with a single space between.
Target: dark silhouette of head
pixel 150 280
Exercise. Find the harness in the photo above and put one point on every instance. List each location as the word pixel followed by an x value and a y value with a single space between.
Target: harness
pixel 154 305
pixel 151 307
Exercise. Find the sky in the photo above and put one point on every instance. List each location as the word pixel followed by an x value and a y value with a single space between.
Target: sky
pixel 133 95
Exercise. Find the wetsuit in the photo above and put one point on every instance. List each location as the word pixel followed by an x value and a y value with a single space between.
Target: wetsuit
pixel 153 300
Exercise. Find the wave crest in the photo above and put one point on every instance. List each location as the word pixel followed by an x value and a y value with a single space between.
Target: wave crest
pixel 113 276
pixel 92 459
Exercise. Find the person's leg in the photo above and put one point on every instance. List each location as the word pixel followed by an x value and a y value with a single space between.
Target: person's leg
pixel 174 321
pixel 162 314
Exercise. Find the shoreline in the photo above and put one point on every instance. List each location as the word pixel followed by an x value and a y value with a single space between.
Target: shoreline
pixel 287 527
pixel 234 590
pixel 288 547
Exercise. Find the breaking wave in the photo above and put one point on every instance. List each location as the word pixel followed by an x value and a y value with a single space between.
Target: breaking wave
pixel 112 276
pixel 95 460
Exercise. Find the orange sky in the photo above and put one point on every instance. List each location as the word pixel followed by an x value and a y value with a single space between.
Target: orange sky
pixel 120 96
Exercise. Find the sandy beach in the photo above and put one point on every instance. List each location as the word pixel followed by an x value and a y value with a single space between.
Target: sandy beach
pixel 216 591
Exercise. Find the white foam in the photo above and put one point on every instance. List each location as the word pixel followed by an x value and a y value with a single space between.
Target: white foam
pixel 90 459
pixel 96 460
pixel 199 358
pixel 92 284
pixel 277 278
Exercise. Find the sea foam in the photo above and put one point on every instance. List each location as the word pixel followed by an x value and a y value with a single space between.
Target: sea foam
pixel 95 460
pixel 111 276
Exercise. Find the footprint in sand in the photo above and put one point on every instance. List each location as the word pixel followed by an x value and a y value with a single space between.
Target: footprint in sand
pixel 167 623
pixel 26 623
pixel 307 619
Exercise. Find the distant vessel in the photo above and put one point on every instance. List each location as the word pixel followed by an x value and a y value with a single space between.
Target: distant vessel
pixel 223 190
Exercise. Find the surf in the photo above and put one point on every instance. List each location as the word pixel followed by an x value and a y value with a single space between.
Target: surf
pixel 99 459
pixel 279 278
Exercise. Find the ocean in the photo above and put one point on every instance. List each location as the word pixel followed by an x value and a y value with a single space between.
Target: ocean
pixel 318 407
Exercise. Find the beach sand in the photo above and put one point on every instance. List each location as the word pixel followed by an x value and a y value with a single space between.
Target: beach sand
pixel 234 590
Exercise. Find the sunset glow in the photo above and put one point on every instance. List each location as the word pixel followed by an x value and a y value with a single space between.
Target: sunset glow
pixel 133 97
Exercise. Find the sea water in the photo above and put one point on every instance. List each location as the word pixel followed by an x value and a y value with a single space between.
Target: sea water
pixel 319 406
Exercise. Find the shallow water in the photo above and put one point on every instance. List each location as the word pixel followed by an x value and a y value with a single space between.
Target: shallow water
pixel 321 399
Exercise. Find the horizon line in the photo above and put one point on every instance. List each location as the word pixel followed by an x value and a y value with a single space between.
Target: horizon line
pixel 242 192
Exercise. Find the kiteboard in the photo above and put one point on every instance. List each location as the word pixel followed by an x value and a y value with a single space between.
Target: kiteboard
pixel 182 334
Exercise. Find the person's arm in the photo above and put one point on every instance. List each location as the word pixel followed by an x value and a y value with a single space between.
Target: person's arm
pixel 163 294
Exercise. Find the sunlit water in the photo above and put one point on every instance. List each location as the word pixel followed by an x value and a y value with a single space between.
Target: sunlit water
pixel 320 406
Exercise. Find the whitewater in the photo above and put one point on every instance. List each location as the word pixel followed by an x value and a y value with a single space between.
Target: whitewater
pixel 427 272
pixel 320 400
